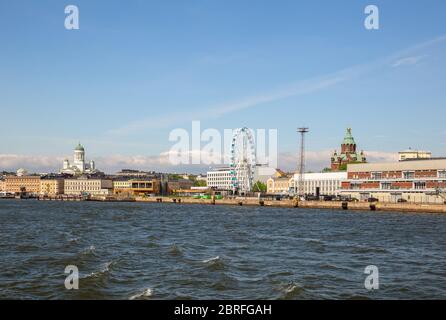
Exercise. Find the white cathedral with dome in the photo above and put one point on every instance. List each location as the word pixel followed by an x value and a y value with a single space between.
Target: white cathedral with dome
pixel 79 165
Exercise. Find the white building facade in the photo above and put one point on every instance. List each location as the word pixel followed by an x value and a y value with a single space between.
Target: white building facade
pixel 414 155
pixel 324 183
pixel 219 178
pixel 88 186
pixel 79 165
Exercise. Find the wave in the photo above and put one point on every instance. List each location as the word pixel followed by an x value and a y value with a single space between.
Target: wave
pixel 290 291
pixel 144 294
pixel 211 259
pixel 89 251
pixel 312 240
pixel 104 271
pixel 215 263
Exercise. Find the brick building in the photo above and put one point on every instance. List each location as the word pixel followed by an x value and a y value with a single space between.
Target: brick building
pixel 421 181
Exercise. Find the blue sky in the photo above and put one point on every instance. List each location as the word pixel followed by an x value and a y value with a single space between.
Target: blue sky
pixel 138 69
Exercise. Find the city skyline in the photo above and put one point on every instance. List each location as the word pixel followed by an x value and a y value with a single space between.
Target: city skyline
pixel 126 78
pixel 319 161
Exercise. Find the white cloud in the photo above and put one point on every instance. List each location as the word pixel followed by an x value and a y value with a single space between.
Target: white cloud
pixel 12 162
pixel 288 161
pixel 408 61
pixel 380 156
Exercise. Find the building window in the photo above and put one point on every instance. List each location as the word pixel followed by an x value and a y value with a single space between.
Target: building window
pixel 442 174
pixel 386 186
pixel 376 175
pixel 408 175
pixel 355 186
pixel 420 185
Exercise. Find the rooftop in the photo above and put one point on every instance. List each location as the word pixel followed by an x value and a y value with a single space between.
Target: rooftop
pixel 415 164
pixel 79 147
pixel 348 139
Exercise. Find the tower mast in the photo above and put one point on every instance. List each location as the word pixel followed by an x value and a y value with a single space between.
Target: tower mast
pixel 301 177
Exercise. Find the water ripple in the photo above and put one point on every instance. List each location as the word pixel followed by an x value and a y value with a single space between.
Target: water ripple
pixel 216 252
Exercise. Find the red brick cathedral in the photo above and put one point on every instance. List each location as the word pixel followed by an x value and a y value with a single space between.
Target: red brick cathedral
pixel 348 154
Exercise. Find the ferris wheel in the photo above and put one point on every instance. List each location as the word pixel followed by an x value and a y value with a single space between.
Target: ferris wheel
pixel 243 160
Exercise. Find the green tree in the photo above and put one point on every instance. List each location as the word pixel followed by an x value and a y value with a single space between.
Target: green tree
pixel 259 187
pixel 200 183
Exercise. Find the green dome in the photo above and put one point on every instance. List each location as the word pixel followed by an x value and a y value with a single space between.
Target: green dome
pixel 348 139
pixel 79 147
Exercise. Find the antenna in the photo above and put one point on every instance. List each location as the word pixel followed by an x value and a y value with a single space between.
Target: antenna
pixel 301 181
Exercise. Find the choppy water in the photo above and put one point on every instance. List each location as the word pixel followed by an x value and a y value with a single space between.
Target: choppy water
pixel 171 251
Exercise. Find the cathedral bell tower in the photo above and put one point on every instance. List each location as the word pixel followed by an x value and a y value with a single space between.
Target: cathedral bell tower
pixel 349 144
pixel 348 153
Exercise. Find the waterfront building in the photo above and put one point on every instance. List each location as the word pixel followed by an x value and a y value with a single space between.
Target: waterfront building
pixel 2 185
pixel 79 165
pixel 121 185
pixel 219 178
pixel 173 186
pixel 136 187
pixel 421 181
pixel 323 183
pixel 86 185
pixel 413 155
pixel 348 154
pixel 18 184
pixel 278 185
pixel 52 186
pixel 142 187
